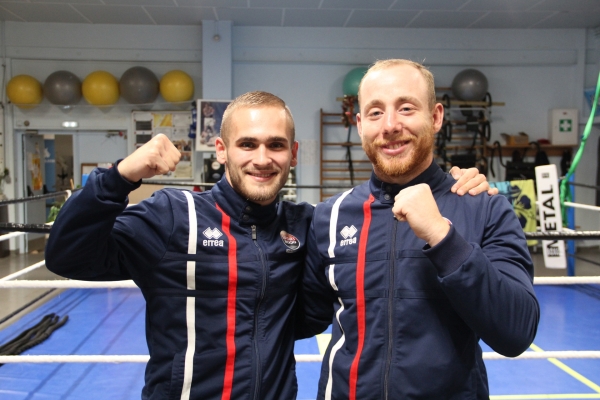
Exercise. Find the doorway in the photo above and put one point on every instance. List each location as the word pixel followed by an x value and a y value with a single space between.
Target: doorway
pixel 60 162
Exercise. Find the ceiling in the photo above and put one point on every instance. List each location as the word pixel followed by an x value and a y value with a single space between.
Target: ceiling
pixel 465 14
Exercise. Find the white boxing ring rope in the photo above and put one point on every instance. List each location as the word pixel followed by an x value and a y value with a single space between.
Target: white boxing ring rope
pixel 581 206
pixel 6 283
pixel 128 284
pixel 11 235
pixel 116 359
pixel 66 284
pixel 24 271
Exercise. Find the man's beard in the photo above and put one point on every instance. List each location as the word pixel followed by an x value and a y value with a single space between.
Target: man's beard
pixel 258 193
pixel 394 167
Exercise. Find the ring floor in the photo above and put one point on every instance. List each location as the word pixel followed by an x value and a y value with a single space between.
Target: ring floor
pixel 111 322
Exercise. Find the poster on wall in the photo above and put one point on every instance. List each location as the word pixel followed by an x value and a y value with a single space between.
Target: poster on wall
pixel 208 128
pixel 34 164
pixel 176 126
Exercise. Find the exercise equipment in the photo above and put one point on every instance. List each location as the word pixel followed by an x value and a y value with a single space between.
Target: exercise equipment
pixel 176 86
pixel 24 91
pixel 470 85
pixel 62 88
pixel 139 85
pixel 352 81
pixel 100 88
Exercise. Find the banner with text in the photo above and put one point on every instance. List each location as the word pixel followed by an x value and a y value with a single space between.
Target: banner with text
pixel 548 202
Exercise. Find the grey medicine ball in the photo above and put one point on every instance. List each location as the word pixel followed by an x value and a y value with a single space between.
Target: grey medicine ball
pixel 470 85
pixel 62 88
pixel 139 85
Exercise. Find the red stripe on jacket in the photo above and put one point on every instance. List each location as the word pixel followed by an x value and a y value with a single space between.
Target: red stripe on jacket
pixel 360 293
pixel 231 298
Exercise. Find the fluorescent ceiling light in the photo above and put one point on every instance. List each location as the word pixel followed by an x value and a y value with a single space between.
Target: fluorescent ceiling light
pixel 70 124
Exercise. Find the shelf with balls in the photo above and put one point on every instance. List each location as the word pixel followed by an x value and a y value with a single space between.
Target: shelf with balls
pixel 137 86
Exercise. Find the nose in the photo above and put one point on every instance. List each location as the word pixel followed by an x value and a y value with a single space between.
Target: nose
pixel 391 122
pixel 262 157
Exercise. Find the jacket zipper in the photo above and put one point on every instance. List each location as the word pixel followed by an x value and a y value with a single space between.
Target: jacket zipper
pixel 388 360
pixel 256 311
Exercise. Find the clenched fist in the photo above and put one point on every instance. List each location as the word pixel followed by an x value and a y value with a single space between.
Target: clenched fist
pixel 417 206
pixel 156 157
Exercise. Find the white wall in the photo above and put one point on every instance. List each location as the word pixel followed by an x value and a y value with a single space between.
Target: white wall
pixel 532 71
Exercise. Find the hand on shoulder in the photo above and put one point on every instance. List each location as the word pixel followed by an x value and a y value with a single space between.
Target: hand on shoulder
pixel 470 181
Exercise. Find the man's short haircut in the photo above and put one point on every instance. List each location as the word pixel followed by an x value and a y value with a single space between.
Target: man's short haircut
pixel 255 100
pixel 393 62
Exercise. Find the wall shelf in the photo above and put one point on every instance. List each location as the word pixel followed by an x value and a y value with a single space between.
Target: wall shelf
pixel 336 146
pixel 550 149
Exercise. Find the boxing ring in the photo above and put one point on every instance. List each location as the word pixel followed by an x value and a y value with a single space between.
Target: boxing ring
pixel 309 360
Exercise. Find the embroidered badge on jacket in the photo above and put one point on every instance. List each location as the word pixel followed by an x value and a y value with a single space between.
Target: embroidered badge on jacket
pixel 290 241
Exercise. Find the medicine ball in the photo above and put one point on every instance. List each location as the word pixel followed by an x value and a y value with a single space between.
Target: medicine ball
pixel 62 88
pixel 352 81
pixel 176 86
pixel 470 85
pixel 24 91
pixel 100 88
pixel 139 85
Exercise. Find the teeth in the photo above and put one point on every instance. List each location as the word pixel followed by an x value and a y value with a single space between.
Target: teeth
pixel 396 145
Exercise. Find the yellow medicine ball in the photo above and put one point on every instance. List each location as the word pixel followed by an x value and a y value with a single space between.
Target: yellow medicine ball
pixel 176 86
pixel 100 88
pixel 24 91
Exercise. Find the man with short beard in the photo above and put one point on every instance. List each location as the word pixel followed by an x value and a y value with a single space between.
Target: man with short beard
pixel 219 269
pixel 410 275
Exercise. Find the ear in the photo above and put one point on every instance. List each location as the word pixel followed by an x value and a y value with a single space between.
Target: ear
pixel 221 150
pixel 294 161
pixel 438 117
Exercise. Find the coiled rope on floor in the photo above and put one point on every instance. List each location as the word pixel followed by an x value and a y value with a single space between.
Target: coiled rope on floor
pixel 32 336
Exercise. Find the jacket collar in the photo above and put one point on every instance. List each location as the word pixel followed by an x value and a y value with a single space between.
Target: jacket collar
pixel 386 192
pixel 242 210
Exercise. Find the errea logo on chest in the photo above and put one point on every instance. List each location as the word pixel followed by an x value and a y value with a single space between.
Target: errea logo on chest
pixel 348 235
pixel 212 237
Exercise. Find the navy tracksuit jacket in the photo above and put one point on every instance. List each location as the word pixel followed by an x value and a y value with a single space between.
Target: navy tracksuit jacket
pixel 407 318
pixel 219 274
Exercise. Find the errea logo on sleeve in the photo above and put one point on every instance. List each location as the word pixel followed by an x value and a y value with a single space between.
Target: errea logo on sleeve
pixel 348 235
pixel 212 237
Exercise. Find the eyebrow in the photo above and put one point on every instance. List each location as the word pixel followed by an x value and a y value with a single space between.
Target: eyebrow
pixel 402 99
pixel 373 103
pixel 269 139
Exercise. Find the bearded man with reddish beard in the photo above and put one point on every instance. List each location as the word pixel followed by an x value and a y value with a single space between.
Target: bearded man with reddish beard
pixel 427 273
pixel 398 140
